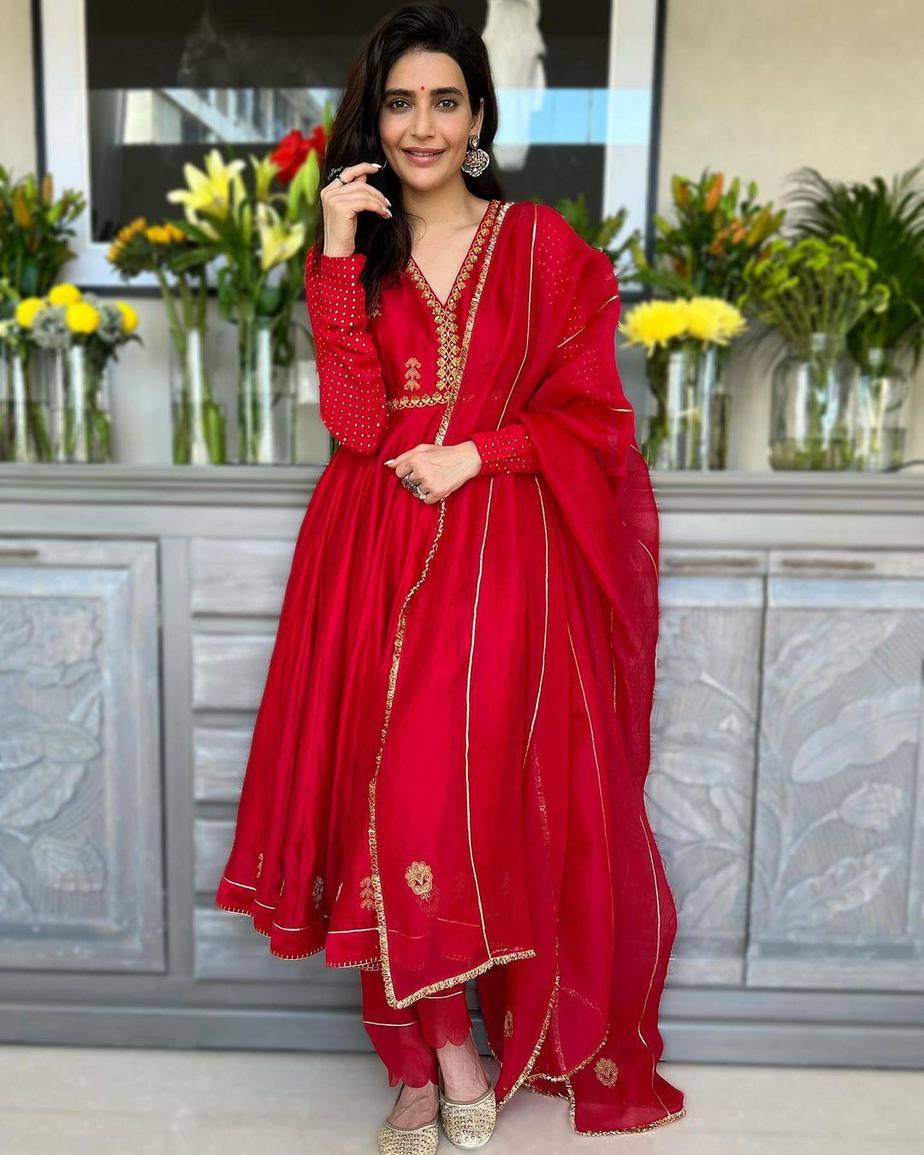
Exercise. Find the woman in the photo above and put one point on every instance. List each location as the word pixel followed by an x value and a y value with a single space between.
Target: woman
pixel 447 767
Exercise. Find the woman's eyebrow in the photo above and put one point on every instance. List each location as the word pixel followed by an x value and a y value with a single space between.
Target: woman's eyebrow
pixel 448 91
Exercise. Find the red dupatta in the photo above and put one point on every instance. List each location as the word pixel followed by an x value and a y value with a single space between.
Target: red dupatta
pixel 507 818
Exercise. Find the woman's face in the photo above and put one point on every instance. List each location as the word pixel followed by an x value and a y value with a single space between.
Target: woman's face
pixel 426 107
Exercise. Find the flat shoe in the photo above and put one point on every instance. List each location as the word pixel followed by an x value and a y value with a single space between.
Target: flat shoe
pixel 422 1140
pixel 468 1124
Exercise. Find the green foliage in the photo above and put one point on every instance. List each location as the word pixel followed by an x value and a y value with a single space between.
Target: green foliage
pixel 34 232
pixel 886 223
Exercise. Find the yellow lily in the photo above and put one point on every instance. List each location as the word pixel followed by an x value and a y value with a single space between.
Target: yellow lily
pixel 278 240
pixel 209 191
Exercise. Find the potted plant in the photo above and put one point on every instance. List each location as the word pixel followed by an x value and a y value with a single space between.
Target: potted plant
pixel 811 292
pixel 886 223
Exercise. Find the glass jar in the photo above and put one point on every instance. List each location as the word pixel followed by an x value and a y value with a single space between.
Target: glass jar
pixel 199 428
pixel 87 410
pixel 266 398
pixel 689 428
pixel 811 410
pixel 883 405
pixel 23 424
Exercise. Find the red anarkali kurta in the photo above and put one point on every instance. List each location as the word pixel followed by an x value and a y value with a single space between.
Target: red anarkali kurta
pixel 447 766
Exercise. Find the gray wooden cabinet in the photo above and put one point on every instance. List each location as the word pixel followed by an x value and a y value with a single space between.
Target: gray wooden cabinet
pixel 138 608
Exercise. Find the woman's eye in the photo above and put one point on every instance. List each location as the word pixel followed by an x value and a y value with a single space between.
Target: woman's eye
pixel 453 103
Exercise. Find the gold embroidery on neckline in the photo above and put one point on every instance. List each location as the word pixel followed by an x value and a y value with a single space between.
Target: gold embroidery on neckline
pixel 449 353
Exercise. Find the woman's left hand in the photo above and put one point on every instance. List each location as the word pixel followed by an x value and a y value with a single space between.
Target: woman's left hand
pixel 440 469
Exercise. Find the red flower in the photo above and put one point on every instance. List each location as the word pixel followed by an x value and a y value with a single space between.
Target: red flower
pixel 291 152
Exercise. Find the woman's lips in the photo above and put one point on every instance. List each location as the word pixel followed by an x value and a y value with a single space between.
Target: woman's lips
pixel 423 161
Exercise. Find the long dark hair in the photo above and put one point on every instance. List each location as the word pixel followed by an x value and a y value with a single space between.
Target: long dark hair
pixel 354 134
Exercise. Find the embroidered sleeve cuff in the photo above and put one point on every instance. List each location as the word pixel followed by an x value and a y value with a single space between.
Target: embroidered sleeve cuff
pixel 505 450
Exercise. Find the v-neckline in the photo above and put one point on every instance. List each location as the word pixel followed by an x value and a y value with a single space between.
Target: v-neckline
pixel 468 252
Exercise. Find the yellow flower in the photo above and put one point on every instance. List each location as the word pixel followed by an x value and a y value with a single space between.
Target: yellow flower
pixel 654 323
pixel 129 316
pixel 166 234
pixel 712 319
pixel 278 240
pixel 208 191
pixel 28 309
pixel 81 318
pixel 63 294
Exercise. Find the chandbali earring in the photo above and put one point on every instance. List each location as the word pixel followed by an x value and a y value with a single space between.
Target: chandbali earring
pixel 476 159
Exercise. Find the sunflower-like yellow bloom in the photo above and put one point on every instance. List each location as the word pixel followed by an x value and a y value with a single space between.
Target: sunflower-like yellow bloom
pixel 81 318
pixel 166 234
pixel 129 316
pixel 28 309
pixel 705 319
pixel 209 191
pixel 278 240
pixel 654 323
pixel 712 319
pixel 63 294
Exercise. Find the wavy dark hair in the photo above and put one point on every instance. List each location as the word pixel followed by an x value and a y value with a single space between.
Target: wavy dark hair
pixel 354 135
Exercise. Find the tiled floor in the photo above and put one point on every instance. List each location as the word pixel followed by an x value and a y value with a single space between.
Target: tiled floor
pixel 57 1100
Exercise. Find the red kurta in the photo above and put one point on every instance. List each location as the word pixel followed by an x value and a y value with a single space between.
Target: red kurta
pixel 447 766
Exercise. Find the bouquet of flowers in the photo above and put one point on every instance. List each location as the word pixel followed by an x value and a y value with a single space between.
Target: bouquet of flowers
pixel 35 228
pixel 172 256
pixel 683 339
pixel 81 334
pixel 256 222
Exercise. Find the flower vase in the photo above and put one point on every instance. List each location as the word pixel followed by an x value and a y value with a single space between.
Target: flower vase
pixel 811 417
pixel 198 420
pixel 689 428
pixel 87 413
pixel 50 379
pixel 266 397
pixel 882 412
pixel 24 426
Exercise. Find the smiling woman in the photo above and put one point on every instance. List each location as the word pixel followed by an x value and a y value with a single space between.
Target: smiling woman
pixel 446 775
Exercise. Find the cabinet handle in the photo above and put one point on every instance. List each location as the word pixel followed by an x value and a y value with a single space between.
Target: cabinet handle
pixel 720 563
pixel 13 554
pixel 832 563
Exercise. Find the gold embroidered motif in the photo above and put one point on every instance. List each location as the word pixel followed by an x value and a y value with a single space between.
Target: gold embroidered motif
pixel 606 1071
pixel 259 864
pixel 416 401
pixel 317 890
pixel 412 373
pixel 419 878
pixel 450 355
pixel 365 893
pixel 508 1024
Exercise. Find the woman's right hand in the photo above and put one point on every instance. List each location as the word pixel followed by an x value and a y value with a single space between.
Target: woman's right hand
pixel 343 201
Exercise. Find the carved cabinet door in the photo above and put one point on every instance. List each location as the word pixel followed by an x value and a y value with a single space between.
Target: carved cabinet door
pixel 838 867
pixel 81 870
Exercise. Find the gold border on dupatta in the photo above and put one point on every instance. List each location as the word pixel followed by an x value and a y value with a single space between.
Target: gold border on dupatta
pixel 458 367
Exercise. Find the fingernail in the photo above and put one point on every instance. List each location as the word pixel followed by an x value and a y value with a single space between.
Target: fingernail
pixel 377 164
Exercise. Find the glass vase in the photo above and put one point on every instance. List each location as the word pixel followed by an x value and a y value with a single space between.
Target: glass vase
pixel 266 398
pixel 199 427
pixel 87 433
pixel 49 379
pixel 811 413
pixel 23 422
pixel 883 405
pixel 689 427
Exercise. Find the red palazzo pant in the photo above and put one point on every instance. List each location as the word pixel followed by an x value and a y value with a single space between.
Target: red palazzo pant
pixel 406 1040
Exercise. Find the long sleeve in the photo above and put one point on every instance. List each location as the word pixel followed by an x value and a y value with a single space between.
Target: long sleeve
pixel 506 450
pixel 352 386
